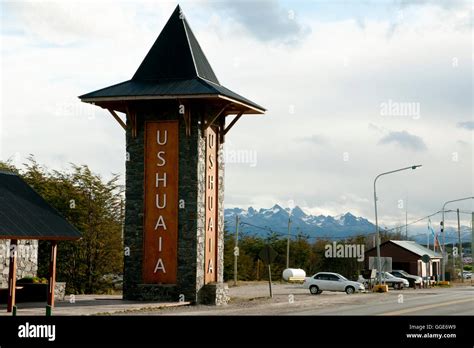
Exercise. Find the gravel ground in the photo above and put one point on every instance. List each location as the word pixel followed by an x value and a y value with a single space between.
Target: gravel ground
pixel 253 299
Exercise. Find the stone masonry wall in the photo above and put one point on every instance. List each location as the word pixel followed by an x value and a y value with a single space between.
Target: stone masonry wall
pixel 27 262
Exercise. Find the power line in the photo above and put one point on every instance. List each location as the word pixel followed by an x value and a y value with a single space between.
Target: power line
pixel 424 218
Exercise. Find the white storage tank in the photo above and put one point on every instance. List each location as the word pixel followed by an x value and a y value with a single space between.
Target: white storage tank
pixel 293 274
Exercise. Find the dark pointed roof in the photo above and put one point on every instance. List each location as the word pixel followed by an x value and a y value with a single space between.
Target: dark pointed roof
pixel 175 54
pixel 175 66
pixel 24 214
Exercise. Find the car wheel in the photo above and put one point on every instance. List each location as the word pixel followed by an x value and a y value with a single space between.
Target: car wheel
pixel 350 290
pixel 314 290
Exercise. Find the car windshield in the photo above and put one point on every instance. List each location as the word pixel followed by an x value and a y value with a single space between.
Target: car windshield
pixel 403 273
pixel 342 277
pixel 388 275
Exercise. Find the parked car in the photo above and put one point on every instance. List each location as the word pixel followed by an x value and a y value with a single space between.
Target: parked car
pixel 394 282
pixel 328 281
pixel 413 280
pixel 465 274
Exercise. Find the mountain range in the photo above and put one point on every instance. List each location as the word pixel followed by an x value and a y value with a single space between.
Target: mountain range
pixel 263 222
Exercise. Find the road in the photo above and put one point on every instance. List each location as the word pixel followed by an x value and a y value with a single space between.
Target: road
pixel 292 300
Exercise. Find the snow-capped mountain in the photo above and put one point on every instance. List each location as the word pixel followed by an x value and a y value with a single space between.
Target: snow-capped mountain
pixel 260 222
pixel 276 219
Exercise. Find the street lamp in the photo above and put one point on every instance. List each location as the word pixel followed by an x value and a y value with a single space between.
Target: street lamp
pixel 379 262
pixel 443 230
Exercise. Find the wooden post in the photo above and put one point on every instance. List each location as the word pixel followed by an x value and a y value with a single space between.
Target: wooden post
pixel 270 279
pixel 12 275
pixel 52 273
pixel 258 268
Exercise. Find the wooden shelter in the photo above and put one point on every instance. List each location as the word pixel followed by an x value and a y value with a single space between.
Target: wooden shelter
pixel 24 214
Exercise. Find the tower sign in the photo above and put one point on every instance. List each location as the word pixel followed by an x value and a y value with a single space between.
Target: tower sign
pixel 175 125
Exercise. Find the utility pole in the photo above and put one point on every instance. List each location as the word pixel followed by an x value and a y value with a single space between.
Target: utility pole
pixel 236 248
pixel 406 220
pixel 288 243
pixel 454 261
pixel 460 248
pixel 472 240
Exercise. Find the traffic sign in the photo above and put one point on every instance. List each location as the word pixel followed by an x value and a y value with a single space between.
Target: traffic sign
pixel 267 254
pixel 425 258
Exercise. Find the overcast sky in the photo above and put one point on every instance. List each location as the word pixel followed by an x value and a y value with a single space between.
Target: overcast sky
pixel 352 89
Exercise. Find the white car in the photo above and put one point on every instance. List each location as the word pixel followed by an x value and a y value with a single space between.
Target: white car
pixel 395 282
pixel 328 281
pixel 465 274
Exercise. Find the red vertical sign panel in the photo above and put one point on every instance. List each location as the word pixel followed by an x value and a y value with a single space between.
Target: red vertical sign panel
pixel 161 203
pixel 211 207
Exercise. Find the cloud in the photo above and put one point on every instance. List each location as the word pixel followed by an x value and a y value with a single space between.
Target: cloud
pixel 447 5
pixel 405 140
pixel 463 143
pixel 376 128
pixel 266 20
pixel 469 125
pixel 315 139
pixel 336 78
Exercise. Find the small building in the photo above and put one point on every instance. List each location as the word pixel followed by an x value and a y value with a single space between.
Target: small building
pixel 26 218
pixel 406 255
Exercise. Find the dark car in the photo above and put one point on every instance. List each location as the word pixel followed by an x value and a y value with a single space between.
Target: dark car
pixel 413 280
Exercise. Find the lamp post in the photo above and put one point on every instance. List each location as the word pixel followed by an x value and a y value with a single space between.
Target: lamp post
pixel 288 241
pixel 443 264
pixel 379 262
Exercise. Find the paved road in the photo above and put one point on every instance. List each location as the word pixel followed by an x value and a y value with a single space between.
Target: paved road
pixel 252 299
pixel 440 302
pixel 291 300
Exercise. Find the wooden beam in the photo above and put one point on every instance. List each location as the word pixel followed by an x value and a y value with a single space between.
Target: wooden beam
pixel 52 272
pixel 134 124
pixel 216 116
pixel 119 120
pixel 221 131
pixel 38 238
pixel 132 117
pixel 186 116
pixel 12 275
pixel 234 121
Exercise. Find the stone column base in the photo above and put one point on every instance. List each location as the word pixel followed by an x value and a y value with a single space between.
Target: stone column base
pixel 155 292
pixel 214 294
